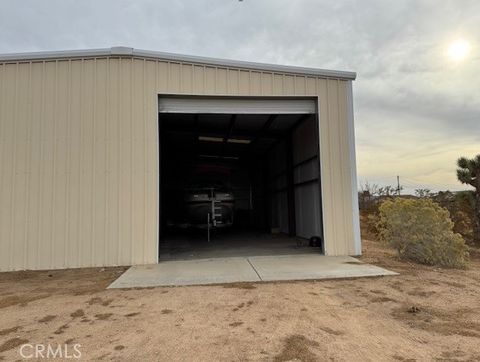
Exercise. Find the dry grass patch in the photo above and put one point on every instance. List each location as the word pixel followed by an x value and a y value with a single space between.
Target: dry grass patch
pixel 235 324
pixel 103 316
pixel 12 343
pixel 332 331
pixel 448 322
pixel 21 300
pixel 240 285
pixel 62 329
pixel 297 348
pixel 78 313
pixel 4 332
pixel 100 301
pixel 47 318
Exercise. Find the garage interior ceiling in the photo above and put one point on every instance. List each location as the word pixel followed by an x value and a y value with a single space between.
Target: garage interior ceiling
pixel 229 135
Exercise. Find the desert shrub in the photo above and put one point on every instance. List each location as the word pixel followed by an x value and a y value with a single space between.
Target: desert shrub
pixel 421 231
pixel 368 225
pixel 461 206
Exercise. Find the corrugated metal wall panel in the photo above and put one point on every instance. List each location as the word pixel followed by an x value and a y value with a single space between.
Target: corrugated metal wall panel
pixel 307 195
pixel 336 171
pixel 277 183
pixel 79 155
pixel 307 210
pixel 115 162
pixel 346 167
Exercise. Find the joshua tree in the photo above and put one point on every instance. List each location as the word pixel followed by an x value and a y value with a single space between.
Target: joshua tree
pixel 468 172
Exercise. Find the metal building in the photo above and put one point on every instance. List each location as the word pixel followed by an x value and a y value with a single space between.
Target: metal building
pixel 83 135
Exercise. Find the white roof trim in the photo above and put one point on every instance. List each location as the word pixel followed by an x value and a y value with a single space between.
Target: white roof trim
pixel 130 52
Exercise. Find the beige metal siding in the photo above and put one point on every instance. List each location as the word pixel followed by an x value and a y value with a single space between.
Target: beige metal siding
pixel 79 155
pixel 336 168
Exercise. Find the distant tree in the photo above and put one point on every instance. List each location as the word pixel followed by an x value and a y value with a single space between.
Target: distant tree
pixel 422 193
pixel 461 206
pixel 388 191
pixel 367 196
pixel 468 172
pixel 369 188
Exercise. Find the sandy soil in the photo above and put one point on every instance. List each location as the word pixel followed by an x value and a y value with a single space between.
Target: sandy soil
pixel 425 314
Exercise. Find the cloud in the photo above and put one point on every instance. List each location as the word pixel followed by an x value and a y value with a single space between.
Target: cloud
pixel 415 111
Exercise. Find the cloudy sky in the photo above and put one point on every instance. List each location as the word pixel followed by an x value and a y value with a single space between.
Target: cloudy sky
pixel 416 110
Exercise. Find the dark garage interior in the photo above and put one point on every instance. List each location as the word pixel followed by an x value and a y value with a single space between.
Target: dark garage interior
pixel 238 185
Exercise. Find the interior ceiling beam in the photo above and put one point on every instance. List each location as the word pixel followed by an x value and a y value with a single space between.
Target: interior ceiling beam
pixel 264 129
pixel 195 124
pixel 187 154
pixel 300 120
pixel 221 134
pixel 231 125
pixel 195 129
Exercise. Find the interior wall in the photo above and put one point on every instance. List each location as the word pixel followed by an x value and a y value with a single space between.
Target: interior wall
pixel 306 173
pixel 260 194
pixel 306 183
pixel 278 185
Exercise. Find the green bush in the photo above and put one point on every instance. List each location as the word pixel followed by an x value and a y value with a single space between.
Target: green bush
pixel 422 231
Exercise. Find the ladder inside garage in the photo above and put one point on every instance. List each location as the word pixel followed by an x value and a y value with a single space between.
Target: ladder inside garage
pixel 213 217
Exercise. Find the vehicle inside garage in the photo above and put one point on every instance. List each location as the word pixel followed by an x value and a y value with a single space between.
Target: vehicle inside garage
pixel 236 180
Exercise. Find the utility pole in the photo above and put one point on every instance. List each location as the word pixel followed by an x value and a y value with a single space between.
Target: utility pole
pixel 398 185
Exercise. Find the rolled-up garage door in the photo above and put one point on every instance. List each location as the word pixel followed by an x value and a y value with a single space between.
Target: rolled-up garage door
pixel 237 105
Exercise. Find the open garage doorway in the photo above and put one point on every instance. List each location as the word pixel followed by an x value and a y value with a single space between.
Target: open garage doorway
pixel 238 177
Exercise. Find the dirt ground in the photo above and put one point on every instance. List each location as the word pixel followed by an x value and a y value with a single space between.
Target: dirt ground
pixel 425 314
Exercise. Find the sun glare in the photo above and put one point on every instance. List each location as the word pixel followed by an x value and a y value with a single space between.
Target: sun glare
pixel 458 50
